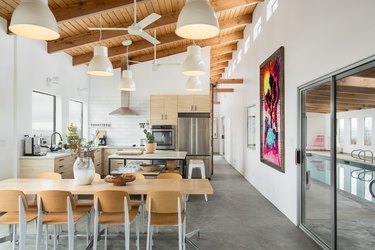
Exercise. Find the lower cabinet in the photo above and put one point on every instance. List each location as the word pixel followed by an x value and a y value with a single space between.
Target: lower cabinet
pixel 30 168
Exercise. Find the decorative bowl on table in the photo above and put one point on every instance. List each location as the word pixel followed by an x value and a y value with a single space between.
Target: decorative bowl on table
pixel 149 167
pixel 119 180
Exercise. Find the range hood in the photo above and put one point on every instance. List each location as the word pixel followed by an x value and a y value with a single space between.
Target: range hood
pixel 124 109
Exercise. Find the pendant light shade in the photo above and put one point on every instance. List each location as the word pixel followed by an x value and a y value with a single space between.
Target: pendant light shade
pixel 127 83
pixel 193 84
pixel 33 19
pixel 197 20
pixel 193 64
pixel 100 65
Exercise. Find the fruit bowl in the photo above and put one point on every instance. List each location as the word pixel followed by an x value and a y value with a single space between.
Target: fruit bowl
pixel 150 167
pixel 119 180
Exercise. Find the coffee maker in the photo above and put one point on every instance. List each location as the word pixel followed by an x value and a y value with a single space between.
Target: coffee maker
pixel 32 146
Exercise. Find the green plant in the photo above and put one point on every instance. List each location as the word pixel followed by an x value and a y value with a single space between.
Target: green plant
pixel 149 137
pixel 79 145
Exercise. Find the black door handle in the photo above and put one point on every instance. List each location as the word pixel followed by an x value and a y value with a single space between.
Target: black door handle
pixel 222 137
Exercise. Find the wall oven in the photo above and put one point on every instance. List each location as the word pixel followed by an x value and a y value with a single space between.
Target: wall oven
pixel 164 136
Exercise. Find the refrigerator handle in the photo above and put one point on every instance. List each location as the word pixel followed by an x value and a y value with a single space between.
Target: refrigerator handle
pixel 196 136
pixel 191 135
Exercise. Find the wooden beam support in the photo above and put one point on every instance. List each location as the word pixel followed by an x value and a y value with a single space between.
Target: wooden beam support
pixel 217 68
pixel 216 72
pixel 220 5
pixel 220 65
pixel 221 59
pixel 231 81
pixel 223 90
pixel 224 50
pixel 203 43
pixel 165 20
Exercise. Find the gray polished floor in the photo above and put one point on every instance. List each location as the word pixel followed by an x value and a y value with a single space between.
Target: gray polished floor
pixel 236 217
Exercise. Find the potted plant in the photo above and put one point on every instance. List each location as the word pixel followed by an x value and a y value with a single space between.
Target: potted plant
pixel 150 144
pixel 83 168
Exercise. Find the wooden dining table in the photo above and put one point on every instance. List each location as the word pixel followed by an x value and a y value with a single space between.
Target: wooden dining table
pixel 185 186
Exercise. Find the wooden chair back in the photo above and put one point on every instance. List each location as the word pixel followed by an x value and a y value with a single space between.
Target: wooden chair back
pixel 112 201
pixel 164 202
pixel 49 175
pixel 9 200
pixel 172 176
pixel 55 201
pixel 138 176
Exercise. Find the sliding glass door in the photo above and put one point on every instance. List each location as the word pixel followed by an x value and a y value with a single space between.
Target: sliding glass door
pixel 337 165
pixel 316 165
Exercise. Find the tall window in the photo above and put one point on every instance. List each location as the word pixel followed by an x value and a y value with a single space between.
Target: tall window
pixel 368 131
pixel 353 131
pixel 43 114
pixel 76 115
pixel 271 8
pixel 341 130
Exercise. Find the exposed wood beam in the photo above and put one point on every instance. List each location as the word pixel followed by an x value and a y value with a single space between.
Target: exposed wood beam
pixel 165 20
pixel 215 72
pixel 231 81
pixel 224 50
pixel 223 90
pixel 216 68
pixel 203 43
pixel 221 59
pixel 220 65
pixel 89 8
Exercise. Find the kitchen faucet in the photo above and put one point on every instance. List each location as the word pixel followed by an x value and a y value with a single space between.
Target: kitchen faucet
pixel 52 148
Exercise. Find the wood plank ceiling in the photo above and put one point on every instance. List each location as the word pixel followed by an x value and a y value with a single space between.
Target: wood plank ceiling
pixel 74 16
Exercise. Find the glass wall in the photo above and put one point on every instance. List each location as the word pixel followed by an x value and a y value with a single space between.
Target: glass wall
pixel 338 170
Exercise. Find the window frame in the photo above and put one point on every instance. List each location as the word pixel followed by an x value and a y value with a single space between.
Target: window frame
pixel 54 108
pixel 80 102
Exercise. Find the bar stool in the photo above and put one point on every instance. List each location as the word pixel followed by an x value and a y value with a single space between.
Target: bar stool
pixel 197 163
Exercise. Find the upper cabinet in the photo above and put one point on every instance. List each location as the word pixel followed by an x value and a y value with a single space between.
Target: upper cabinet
pixel 194 103
pixel 163 110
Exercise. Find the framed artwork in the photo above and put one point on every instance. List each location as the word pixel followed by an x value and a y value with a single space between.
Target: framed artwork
pixel 251 127
pixel 272 111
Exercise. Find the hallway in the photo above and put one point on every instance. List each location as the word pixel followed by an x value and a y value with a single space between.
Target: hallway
pixel 241 218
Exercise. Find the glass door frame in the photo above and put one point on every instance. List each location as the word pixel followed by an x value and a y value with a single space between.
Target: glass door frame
pixel 332 78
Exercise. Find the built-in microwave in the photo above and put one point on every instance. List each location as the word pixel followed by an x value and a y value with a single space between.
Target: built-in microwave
pixel 164 136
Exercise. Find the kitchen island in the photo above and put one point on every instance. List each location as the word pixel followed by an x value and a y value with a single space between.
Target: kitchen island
pixel 158 155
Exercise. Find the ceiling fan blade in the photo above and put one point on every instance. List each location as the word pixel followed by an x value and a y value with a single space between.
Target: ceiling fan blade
pixel 94 28
pixel 148 20
pixel 149 38
pixel 133 61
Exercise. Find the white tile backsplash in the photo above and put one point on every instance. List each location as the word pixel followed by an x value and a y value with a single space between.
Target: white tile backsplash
pixel 124 130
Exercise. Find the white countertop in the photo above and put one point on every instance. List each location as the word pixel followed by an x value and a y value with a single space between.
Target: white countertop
pixel 158 155
pixel 48 156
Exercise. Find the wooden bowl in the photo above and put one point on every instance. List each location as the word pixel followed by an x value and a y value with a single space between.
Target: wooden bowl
pixel 119 180
pixel 150 168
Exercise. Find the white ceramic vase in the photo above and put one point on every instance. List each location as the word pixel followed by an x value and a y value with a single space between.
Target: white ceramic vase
pixel 84 170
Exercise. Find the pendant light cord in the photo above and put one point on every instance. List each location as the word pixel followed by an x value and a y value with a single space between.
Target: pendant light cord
pixel 127 57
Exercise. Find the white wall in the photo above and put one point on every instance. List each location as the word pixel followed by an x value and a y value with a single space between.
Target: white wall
pixel 25 67
pixel 105 97
pixel 319 37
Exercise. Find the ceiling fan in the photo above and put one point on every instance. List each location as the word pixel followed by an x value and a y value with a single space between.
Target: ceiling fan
pixel 156 64
pixel 136 29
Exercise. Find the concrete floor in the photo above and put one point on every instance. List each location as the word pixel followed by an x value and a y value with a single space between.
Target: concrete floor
pixel 237 217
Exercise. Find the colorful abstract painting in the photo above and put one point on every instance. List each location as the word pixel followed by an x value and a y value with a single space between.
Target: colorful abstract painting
pixel 272 111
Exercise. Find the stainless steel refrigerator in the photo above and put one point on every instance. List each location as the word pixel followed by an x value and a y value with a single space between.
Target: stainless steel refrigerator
pixel 194 137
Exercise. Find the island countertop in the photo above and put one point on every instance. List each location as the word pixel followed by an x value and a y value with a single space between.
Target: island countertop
pixel 158 155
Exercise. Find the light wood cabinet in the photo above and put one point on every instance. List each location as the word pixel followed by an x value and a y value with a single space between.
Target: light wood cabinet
pixel 196 103
pixel 163 110
pixel 98 161
pixel 30 168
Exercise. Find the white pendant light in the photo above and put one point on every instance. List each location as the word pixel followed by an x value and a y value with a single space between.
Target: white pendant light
pixel 193 84
pixel 100 65
pixel 33 19
pixel 197 20
pixel 193 64
pixel 127 83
